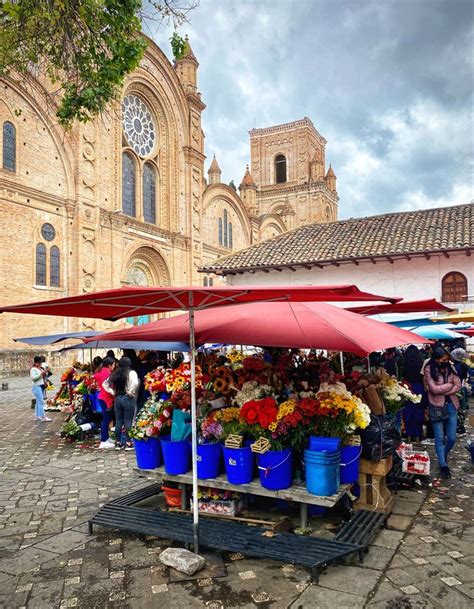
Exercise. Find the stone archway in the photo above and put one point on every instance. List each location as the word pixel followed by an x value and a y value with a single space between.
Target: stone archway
pixel 145 267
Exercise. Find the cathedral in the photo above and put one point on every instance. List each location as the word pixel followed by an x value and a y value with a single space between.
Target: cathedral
pixel 126 198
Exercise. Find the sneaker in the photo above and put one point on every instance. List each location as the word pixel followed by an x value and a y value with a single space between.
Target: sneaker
pixel 110 441
pixel 118 446
pixel 445 472
pixel 46 419
pixel 129 446
pixel 106 445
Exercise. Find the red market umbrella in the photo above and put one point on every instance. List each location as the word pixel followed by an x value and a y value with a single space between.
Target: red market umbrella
pixel 133 301
pixel 467 331
pixel 413 306
pixel 310 325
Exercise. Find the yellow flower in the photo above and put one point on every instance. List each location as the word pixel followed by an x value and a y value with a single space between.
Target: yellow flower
pixel 272 426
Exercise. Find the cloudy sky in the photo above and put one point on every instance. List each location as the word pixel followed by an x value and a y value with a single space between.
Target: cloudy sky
pixel 389 84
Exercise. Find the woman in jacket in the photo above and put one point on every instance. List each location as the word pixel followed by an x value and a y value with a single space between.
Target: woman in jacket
pixel 442 384
pixel 106 400
pixel 123 384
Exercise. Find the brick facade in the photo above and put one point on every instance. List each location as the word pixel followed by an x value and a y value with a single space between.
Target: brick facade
pixel 72 181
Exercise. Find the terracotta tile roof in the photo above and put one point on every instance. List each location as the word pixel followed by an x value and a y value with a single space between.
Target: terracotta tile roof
pixel 247 180
pixel 396 234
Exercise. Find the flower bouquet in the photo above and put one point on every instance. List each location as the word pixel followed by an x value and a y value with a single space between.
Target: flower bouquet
pixel 394 393
pixel 180 377
pixel 155 381
pixel 339 412
pixel 152 420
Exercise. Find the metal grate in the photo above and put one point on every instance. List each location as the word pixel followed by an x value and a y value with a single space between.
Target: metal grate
pixel 361 528
pixel 312 552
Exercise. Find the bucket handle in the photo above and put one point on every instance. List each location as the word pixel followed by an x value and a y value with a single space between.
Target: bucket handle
pixel 350 462
pixel 270 467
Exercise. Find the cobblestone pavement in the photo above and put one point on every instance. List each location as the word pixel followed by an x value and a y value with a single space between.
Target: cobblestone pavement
pixel 49 488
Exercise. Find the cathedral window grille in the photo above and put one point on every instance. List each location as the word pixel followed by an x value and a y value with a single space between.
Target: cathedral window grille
pixel 128 184
pixel 149 193
pixel 221 242
pixel 54 267
pixel 230 235
pixel 226 240
pixel 210 282
pixel 454 287
pixel 280 169
pixel 40 264
pixel 9 146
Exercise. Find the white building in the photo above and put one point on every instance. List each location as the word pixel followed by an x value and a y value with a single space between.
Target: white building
pixel 413 255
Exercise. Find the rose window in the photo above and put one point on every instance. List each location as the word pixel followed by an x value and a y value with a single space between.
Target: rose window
pixel 138 125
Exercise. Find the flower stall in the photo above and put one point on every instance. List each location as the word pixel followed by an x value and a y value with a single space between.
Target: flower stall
pixel 257 417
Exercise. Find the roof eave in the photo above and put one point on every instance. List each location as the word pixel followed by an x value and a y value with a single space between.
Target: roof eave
pixel 389 256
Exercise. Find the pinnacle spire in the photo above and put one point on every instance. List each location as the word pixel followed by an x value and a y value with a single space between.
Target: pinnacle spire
pixel 247 180
pixel 214 166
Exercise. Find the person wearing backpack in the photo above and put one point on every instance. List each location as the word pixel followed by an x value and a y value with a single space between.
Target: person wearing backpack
pixel 442 384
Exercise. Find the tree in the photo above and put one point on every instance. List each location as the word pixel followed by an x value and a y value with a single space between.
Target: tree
pixel 85 47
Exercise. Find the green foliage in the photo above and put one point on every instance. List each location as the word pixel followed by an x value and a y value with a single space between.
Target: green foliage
pixel 85 47
pixel 70 429
pixel 179 45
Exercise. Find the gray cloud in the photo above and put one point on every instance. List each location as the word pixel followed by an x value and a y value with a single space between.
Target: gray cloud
pixel 389 85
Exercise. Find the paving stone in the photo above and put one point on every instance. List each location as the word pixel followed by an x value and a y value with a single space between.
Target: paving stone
pixel 24 560
pixel 324 598
pixel 388 539
pixel 378 558
pixel 353 580
pixel 399 523
pixel 64 541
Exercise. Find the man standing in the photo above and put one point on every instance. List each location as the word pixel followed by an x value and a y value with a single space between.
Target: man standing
pixel 37 375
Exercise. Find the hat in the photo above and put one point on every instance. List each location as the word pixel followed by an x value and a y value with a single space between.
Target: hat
pixel 459 354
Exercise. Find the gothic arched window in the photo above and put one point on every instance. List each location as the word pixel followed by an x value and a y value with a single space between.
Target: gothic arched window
pixel 128 184
pixel 40 278
pixel 149 193
pixel 9 146
pixel 231 238
pixel 221 241
pixel 54 267
pixel 226 240
pixel 280 169
pixel 205 281
pixel 454 287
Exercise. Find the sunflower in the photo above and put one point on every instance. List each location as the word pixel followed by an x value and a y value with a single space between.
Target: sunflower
pixel 221 385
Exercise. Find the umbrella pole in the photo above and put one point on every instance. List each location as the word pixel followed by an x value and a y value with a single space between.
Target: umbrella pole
pixel 368 363
pixel 192 345
pixel 341 358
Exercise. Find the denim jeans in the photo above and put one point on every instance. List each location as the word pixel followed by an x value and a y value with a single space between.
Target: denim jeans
pixel 124 411
pixel 39 407
pixel 106 418
pixel 444 445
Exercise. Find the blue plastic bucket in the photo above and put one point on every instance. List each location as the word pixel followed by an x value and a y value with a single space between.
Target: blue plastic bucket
pixel 148 453
pixel 275 468
pixel 323 443
pixel 322 472
pixel 350 459
pixel 176 455
pixel 239 465
pixel 164 395
pixel 94 398
pixel 209 460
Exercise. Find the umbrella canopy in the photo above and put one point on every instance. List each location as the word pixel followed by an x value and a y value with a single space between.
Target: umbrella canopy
pixel 456 317
pixel 309 325
pixel 433 332
pixel 413 306
pixel 467 332
pixel 51 339
pixel 133 301
pixel 111 344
